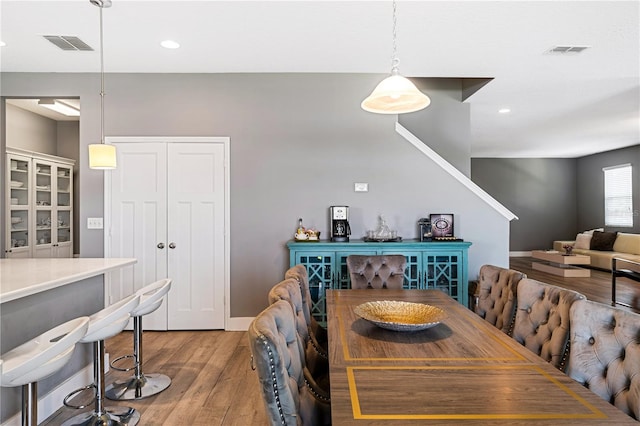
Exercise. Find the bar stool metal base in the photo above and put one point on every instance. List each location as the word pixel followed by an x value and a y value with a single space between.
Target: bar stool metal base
pixel 137 387
pixel 114 416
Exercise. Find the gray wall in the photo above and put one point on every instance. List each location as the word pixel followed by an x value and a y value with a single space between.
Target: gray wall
pixel 68 143
pixel 591 187
pixel 540 191
pixel 31 131
pixel 554 198
pixel 298 144
pixel 454 141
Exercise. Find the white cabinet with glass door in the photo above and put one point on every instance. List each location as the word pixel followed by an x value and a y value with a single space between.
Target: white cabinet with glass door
pixel 39 205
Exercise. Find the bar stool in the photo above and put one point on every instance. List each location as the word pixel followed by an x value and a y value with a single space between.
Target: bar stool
pixel 102 325
pixel 37 359
pixel 141 385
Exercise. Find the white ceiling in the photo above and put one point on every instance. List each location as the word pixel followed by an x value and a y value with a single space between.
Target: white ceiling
pixel 562 105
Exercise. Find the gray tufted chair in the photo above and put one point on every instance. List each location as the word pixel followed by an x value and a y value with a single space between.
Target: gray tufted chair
pixel 383 271
pixel 495 295
pixel 318 366
pixel 278 358
pixel 317 333
pixel 542 319
pixel 605 353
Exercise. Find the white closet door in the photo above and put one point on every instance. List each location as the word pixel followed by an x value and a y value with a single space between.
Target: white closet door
pixel 196 197
pixel 139 222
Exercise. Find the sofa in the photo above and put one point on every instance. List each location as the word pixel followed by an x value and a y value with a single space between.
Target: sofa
pixel 603 246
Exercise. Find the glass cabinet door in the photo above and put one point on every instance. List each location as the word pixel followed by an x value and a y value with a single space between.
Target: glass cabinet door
pixel 43 207
pixel 63 187
pixel 18 205
pixel 320 270
pixel 443 272
pixel 63 243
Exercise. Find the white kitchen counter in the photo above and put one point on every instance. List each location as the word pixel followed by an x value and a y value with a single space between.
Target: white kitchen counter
pixel 24 277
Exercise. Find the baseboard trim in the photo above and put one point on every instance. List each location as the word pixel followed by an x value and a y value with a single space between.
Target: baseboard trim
pixel 238 323
pixel 51 402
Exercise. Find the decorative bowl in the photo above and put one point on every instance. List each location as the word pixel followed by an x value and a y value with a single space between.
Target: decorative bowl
pixel 399 315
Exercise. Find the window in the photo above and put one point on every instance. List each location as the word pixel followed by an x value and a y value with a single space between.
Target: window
pixel 618 200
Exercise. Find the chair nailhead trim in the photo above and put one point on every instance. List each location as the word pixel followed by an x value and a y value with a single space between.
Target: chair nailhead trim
pixel 318 350
pixel 316 394
pixel 272 368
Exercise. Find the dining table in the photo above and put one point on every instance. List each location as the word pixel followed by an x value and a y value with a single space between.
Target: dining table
pixel 460 370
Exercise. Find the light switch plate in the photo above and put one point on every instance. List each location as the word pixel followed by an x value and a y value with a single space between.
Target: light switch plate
pixel 94 223
pixel 361 187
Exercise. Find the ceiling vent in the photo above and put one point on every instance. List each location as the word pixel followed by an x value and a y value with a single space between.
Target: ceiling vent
pixel 68 42
pixel 566 49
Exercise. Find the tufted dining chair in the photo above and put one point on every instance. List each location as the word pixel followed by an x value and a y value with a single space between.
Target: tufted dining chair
pixel 542 319
pixel 376 271
pixel 318 366
pixel 604 353
pixel 495 295
pixel 317 333
pixel 277 357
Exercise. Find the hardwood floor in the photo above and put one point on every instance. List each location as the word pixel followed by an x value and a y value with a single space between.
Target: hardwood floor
pixel 212 380
pixel 596 288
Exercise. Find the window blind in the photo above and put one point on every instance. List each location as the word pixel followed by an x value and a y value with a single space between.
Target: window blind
pixel 618 198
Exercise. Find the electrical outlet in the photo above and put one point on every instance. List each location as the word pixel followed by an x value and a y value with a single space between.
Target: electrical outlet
pixel 361 187
pixel 94 223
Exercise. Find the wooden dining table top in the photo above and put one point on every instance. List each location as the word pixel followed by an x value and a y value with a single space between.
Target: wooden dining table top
pixel 461 371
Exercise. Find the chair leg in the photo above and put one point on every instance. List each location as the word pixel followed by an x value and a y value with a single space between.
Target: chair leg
pixel 30 404
pixel 111 416
pixel 139 385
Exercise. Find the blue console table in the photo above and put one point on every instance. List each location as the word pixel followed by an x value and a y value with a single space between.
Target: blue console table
pixel 430 265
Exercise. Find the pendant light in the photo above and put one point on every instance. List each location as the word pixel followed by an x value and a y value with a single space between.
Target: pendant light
pixel 395 94
pixel 101 155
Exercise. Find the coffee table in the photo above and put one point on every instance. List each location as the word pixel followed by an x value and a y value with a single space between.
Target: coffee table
pixel 556 263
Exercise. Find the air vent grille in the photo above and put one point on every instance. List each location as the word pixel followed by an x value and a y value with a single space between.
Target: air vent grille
pixel 68 42
pixel 567 49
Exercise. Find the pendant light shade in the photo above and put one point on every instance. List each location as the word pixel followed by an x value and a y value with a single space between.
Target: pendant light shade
pixel 102 156
pixel 395 94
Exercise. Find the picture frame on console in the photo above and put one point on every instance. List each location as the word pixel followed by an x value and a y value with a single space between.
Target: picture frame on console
pixel 441 224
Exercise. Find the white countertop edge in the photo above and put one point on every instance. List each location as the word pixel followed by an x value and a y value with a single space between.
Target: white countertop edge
pixel 16 284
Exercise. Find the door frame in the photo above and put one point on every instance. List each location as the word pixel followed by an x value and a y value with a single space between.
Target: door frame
pixel 225 141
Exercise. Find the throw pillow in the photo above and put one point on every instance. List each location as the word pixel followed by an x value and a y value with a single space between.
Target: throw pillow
pixel 591 231
pixel 603 241
pixel 583 241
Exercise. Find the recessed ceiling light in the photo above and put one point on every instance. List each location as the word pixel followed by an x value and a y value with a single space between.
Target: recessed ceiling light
pixel 170 44
pixel 2 43
pixel 504 110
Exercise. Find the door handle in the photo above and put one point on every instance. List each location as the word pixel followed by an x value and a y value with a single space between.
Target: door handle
pixel 172 245
pixel 160 245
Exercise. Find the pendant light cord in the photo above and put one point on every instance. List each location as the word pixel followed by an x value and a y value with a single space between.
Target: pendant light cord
pixel 394 58
pixel 101 82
